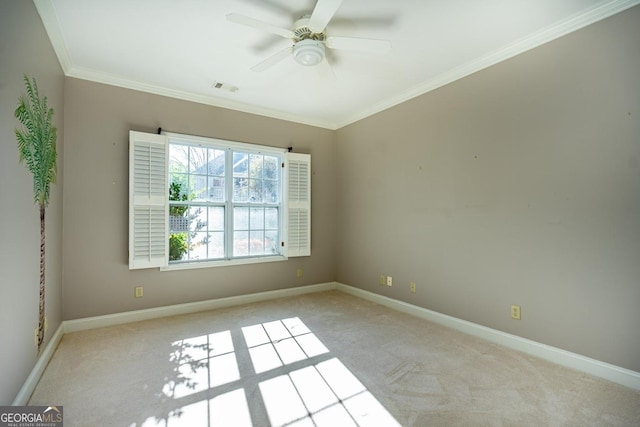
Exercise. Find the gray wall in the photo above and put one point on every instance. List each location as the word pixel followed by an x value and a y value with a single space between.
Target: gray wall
pixel 25 49
pixel 519 184
pixel 97 279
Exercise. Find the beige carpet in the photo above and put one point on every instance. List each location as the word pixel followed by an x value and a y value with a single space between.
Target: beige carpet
pixel 326 359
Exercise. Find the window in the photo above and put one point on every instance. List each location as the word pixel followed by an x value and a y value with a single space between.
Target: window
pixel 201 201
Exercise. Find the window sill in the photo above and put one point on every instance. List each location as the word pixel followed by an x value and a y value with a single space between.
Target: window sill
pixel 222 263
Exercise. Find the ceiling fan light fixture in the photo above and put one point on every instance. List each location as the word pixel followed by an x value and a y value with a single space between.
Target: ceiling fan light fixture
pixel 308 52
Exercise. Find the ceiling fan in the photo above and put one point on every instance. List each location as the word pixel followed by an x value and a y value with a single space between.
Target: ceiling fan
pixel 309 37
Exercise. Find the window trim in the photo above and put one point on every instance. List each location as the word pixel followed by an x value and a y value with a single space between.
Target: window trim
pixel 222 262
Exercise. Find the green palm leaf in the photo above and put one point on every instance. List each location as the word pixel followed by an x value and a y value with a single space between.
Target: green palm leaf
pixel 37 140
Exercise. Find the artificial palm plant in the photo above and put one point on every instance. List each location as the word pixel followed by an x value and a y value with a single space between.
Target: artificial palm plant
pixel 37 146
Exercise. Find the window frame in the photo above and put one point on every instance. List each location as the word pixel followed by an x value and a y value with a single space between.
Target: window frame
pixel 230 147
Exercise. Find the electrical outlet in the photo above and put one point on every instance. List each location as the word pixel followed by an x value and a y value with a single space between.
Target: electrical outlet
pixel 383 280
pixel 412 287
pixel 139 292
pixel 389 281
pixel 515 312
pixel 299 272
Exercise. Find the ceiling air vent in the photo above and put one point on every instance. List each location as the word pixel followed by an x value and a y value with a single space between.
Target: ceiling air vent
pixel 225 86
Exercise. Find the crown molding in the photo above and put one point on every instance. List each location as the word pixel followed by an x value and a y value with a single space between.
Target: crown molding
pixel 49 18
pixel 538 38
pixel 573 23
pixel 123 82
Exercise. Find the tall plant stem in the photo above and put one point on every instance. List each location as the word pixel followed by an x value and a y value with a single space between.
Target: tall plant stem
pixel 41 304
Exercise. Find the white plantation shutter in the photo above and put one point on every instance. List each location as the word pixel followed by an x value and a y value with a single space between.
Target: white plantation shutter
pixel 148 200
pixel 299 205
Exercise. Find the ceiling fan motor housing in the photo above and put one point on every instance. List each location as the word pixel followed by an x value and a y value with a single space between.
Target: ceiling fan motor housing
pixel 308 52
pixel 302 31
pixel 309 47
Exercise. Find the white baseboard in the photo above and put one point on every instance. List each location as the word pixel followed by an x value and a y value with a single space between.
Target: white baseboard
pixel 34 376
pixel 152 313
pixel 616 374
pixel 191 307
pixel 561 357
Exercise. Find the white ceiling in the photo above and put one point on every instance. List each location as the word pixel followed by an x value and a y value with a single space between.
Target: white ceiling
pixel 179 48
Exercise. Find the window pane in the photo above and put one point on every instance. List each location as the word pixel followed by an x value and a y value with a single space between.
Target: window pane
pixel 216 245
pixel 241 218
pixel 178 223
pixel 241 243
pixel 216 219
pixel 178 158
pixel 271 191
pixel 271 242
pixel 198 187
pixel 256 243
pixel 197 217
pixel 255 191
pixel 216 189
pixel 178 187
pixel 255 166
pixel 198 160
pixel 178 246
pixel 240 164
pixel 215 165
pixel 256 218
pixel 240 189
pixel 198 246
pixel 270 167
pixel 271 219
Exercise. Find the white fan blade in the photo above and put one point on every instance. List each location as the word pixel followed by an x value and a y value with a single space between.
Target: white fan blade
pixel 359 45
pixel 322 14
pixel 254 23
pixel 272 60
